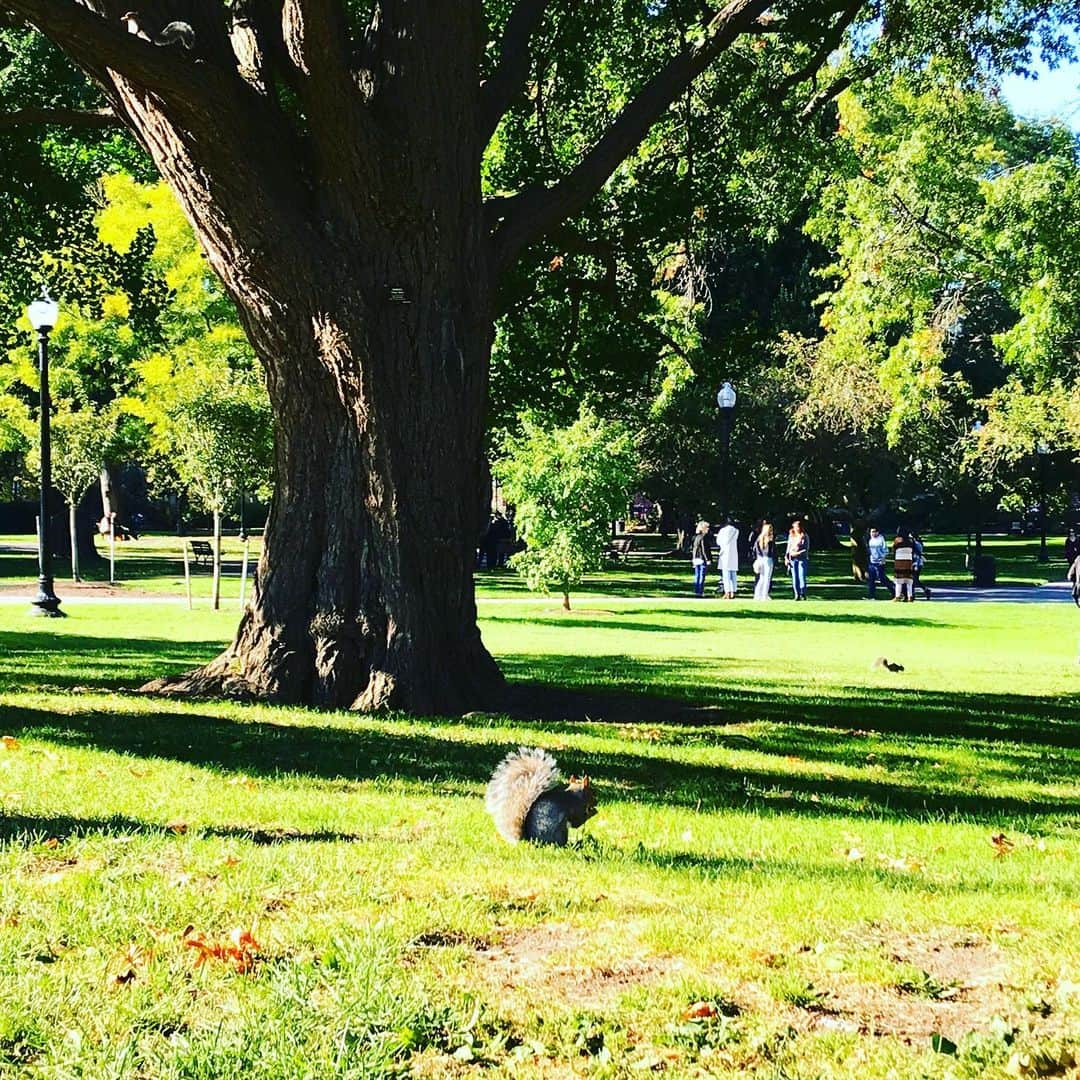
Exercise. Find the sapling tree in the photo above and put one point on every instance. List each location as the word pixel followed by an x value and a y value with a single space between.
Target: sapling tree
pixel 566 485
pixel 221 441
pixel 81 443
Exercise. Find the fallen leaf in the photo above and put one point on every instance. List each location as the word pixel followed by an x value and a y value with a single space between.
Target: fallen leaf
pixel 1002 845
pixel 241 951
pixel 178 827
pixel 124 968
pixel 137 773
pixel 230 860
pixel 700 1010
pixel 905 864
pixel 9 742
pixel 52 842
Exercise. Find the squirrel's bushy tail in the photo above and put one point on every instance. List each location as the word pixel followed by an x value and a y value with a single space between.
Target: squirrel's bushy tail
pixel 517 782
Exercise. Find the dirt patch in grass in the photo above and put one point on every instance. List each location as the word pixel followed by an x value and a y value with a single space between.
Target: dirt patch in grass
pixel 539 962
pixel 948 982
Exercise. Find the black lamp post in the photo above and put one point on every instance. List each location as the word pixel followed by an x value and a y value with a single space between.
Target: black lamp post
pixel 1042 450
pixel 42 315
pixel 725 399
pixel 976 428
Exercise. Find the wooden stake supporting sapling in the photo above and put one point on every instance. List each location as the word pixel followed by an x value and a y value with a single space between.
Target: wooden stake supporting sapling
pixel 187 573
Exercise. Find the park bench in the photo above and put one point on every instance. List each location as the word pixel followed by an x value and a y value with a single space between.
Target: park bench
pixel 617 550
pixel 203 552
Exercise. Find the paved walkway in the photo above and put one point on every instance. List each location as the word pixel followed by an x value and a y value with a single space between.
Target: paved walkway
pixel 1053 593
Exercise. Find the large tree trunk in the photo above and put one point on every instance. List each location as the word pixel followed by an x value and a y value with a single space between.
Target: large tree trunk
pixel 364 593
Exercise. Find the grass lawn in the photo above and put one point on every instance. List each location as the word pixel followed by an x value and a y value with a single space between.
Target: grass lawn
pixel 794 872
pixel 153 565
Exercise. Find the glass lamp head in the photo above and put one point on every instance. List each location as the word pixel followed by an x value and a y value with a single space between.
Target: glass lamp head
pixel 726 398
pixel 43 313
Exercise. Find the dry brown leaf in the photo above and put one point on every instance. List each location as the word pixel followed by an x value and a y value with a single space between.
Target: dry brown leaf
pixel 230 860
pixel 125 968
pixel 700 1010
pixel 8 742
pixel 906 864
pixel 178 827
pixel 1002 845
pixel 52 842
pixel 240 951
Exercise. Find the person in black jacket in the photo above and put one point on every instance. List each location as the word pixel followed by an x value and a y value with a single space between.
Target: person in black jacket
pixel 1072 546
pixel 700 553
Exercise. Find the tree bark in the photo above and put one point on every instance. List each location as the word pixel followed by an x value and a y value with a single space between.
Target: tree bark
pixel 363 595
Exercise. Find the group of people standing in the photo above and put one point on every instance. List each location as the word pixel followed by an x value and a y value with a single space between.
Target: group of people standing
pixel 908 554
pixel 762 551
pixel 907 551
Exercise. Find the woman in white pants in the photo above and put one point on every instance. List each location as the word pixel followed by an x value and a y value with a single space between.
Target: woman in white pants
pixel 764 553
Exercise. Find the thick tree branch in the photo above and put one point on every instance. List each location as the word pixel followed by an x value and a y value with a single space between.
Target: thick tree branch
pixel 316 38
pixel 824 96
pixel 498 92
pixel 89 38
pixel 829 43
pixel 60 117
pixel 536 211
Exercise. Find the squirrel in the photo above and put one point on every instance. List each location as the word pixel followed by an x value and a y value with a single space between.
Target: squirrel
pixel 881 662
pixel 528 800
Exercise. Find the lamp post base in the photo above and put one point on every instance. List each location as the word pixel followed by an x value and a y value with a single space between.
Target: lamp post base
pixel 46 603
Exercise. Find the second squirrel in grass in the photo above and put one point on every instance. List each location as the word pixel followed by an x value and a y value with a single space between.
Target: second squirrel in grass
pixel 882 662
pixel 529 801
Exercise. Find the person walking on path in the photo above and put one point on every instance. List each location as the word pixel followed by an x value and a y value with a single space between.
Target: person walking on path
pixel 1072 547
pixel 764 553
pixel 903 569
pixel 1074 576
pixel 699 556
pixel 877 549
pixel 919 551
pixel 796 558
pixel 727 559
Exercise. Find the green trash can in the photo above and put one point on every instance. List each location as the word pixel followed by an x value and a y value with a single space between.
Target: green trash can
pixel 984 571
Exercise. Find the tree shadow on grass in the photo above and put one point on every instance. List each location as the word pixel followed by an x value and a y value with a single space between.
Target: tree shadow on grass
pixel 28 828
pixel 70 660
pixel 562 687
pixel 837 874
pixel 704 619
pixel 413 754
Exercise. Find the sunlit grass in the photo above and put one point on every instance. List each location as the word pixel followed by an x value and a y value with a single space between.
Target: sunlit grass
pixel 796 844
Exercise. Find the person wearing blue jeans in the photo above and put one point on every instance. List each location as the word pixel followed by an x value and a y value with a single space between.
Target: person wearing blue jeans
pixel 797 557
pixel 877 549
pixel 699 556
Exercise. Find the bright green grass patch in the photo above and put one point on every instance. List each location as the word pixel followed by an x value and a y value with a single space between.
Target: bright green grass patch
pixel 808 852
